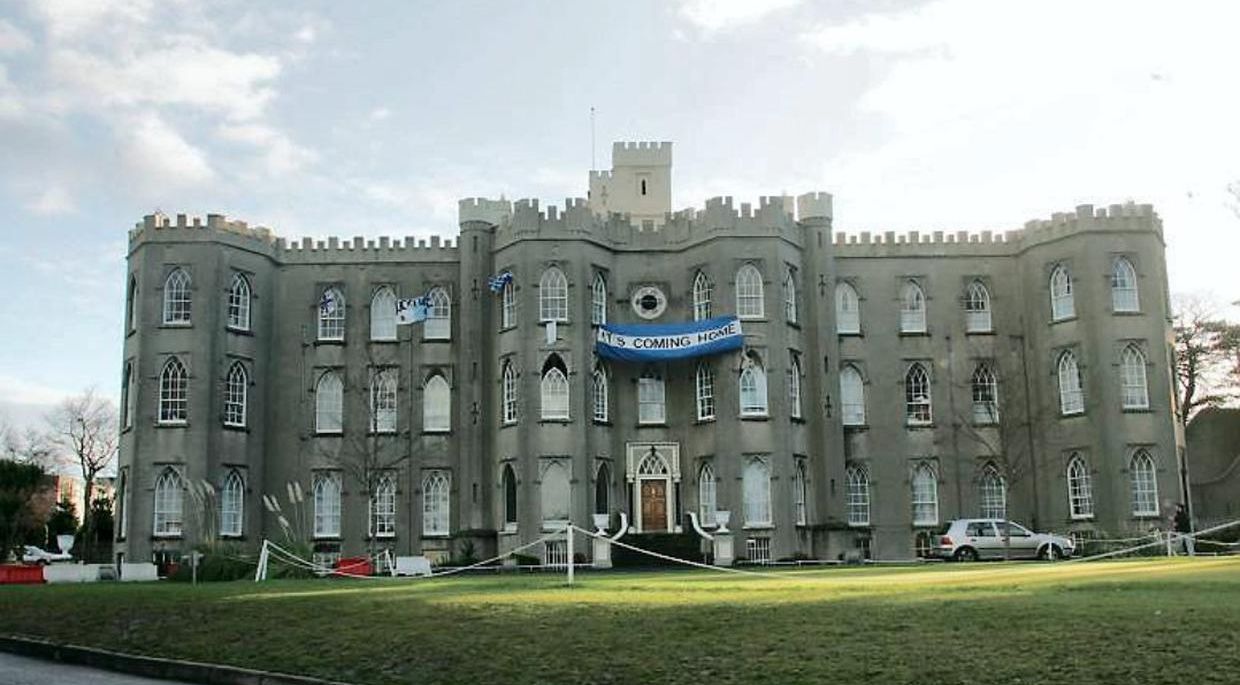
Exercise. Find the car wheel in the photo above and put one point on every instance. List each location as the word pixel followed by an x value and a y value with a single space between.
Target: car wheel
pixel 966 554
pixel 1050 553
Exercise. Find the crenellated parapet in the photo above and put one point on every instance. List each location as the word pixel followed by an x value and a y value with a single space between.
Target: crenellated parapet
pixel 644 153
pixel 1129 217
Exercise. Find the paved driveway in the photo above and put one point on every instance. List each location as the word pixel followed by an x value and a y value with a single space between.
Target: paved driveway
pixel 20 670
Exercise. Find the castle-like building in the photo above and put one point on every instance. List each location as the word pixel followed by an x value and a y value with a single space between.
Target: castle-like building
pixel 884 384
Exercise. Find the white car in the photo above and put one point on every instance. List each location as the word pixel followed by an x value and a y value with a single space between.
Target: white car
pixel 34 555
pixel 973 539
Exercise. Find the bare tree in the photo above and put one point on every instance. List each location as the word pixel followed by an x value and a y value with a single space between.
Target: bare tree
pixel 84 430
pixel 29 446
pixel 1207 356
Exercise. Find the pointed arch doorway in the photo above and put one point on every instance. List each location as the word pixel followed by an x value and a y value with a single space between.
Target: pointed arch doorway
pixel 653 473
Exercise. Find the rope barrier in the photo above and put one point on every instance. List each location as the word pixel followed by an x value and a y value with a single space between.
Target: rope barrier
pixel 657 555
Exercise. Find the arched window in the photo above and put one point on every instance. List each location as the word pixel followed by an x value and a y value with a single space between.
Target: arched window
pixel 173 392
pixel 1144 481
pixel 122 502
pixel 651 402
pixel 1132 378
pixel 852 396
pixel 169 504
pixel 977 309
pixel 753 387
pixel 236 389
pixel 600 396
pixel 555 494
pixel 790 297
pixel 508 305
pixel 602 490
pixel 383 314
pixel 707 502
pixel 1124 286
pixel 232 504
pixel 1071 396
pixel 800 494
pixel 329 404
pixel 553 296
pixel 847 310
pixel 509 392
pixel 598 300
pixel 991 494
pixel 749 303
pixel 756 487
pixel 704 385
pixel 383 508
pixel 912 309
pixel 331 314
pixel 435 503
pixel 917 396
pixel 436 405
pixel 510 497
pixel 438 315
pixel 131 305
pixel 177 299
pixel 794 386
pixel 1062 304
pixel 1080 488
pixel 383 408
pixel 925 496
pixel 985 395
pixel 327 505
pixel 701 297
pixel 239 303
pixel 857 483
pixel 128 398
pixel 554 390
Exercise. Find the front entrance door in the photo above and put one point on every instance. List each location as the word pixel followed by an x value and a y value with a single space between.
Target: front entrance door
pixel 654 505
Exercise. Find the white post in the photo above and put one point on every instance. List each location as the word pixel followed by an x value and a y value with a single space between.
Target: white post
pixel 569 531
pixel 260 573
pixel 1169 552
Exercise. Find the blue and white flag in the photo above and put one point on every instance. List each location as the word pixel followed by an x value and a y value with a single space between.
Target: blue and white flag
pixel 663 342
pixel 328 304
pixel 498 282
pixel 412 309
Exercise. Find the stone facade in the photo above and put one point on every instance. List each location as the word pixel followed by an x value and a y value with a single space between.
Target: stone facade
pixel 831 488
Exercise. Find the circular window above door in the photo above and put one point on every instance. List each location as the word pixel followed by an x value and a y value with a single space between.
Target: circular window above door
pixel 649 302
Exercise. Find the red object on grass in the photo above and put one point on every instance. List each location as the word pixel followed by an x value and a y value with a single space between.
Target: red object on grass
pixel 355 566
pixel 20 574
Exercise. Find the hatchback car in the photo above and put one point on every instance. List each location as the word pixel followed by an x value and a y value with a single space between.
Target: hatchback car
pixel 34 555
pixel 973 539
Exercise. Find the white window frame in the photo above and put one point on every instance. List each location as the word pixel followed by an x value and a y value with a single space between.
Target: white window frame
pixel 436 503
pixel 704 391
pixel 236 395
pixel 130 398
pixel 651 399
pixel 436 404
pixel 508 392
pixel 1063 302
pixel 794 385
pixel 331 326
pixel 985 395
pixel 383 508
pixel 750 302
pixel 383 314
pixel 598 300
pixel 329 403
pixel 918 397
pixel 508 306
pixel 1124 291
pixel 1071 394
pixel 232 504
pixel 756 493
pixel 912 308
pixel 1143 478
pixel 599 396
pixel 991 494
pixel 708 502
pixel 800 494
pixel 702 291
pixel 553 395
pixel 925 496
pixel 1080 488
pixel 753 388
pixel 977 313
pixel 508 479
pixel 131 301
pixel 438 325
pixel 847 309
pixel 1133 382
pixel 327 505
pixel 239 303
pixel 173 409
pixel 857 492
pixel 790 296
pixel 384 400
pixel 553 295
pixel 169 509
pixel 178 298
pixel 852 396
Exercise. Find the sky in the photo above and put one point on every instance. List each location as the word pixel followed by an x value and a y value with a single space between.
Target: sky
pixel 329 118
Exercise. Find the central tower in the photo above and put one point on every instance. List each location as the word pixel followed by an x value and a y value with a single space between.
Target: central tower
pixel 639 184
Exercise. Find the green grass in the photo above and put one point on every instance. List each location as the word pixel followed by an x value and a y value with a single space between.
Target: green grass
pixel 1139 621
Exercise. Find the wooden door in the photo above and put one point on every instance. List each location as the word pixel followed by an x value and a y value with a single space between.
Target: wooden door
pixel 654 505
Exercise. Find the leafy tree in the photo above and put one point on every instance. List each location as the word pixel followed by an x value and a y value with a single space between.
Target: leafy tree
pixel 25 502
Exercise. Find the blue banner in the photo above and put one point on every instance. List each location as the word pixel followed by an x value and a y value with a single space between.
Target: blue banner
pixel 664 342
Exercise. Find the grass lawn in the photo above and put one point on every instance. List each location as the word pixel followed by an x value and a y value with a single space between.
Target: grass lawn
pixel 1138 621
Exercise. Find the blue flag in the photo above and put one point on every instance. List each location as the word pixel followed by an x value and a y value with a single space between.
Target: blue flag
pixel 498 282
pixel 412 310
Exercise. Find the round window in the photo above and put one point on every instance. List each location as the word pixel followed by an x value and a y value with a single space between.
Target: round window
pixel 649 302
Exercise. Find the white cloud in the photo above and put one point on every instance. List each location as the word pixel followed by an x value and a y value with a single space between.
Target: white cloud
pixel 380 114
pixel 16 390
pixel 723 15
pixel 12 39
pixel 280 154
pixel 52 201
pixel 158 154
pixel 71 19
pixel 306 34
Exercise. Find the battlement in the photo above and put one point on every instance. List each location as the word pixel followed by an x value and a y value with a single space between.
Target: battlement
pixel 494 212
pixel 152 224
pixel 641 154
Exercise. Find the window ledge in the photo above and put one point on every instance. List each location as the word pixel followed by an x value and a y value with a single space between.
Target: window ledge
pixel 237 427
pixel 987 332
pixel 1089 517
pixel 436 536
pixel 167 536
pixel 384 536
pixel 508 529
pixel 1072 415
pixel 858 525
pixel 919 426
pixel 652 424
pixel 558 322
pixel 856 426
pixel 173 324
pixel 704 420
pixel 914 334
pixel 329 342
pixel 327 538
pixel 794 324
pixel 755 417
pixel 1127 312
pixel 761 318
pixel 1137 410
pixel 758 526
pixel 797 419
pixel 239 537
pixel 437 431
pixel 567 420
pixel 1064 319
pixel 239 331
pixel 382 433
pixel 384 341
pixel 507 424
pixel 437 339
pixel 328 434
pixel 172 424
pixel 850 334
pixel 602 422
